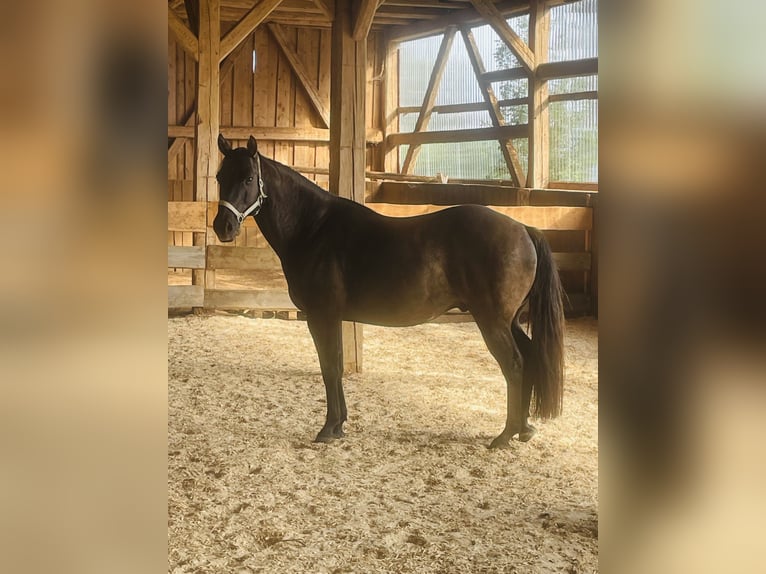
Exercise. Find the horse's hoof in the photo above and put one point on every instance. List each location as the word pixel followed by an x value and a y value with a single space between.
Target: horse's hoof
pixel 500 442
pixel 338 433
pixel 324 438
pixel 527 433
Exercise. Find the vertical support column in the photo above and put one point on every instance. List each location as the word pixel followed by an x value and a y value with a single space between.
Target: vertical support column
pixel 539 31
pixel 206 128
pixel 348 138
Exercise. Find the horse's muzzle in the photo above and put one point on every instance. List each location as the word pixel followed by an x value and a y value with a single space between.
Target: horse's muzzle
pixel 226 227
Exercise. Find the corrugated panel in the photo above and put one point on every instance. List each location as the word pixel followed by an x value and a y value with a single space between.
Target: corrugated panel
pixel 574 31
pixel 574 141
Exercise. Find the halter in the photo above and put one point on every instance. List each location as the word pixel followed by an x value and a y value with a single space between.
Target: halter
pixel 255 208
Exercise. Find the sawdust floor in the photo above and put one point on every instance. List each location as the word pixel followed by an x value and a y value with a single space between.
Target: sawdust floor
pixel 412 488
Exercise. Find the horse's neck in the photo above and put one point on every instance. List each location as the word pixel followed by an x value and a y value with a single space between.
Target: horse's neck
pixel 282 217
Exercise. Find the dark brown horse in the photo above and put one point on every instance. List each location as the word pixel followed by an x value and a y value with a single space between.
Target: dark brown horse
pixel 344 262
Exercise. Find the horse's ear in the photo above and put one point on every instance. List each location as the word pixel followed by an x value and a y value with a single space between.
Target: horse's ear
pixel 223 145
pixel 252 146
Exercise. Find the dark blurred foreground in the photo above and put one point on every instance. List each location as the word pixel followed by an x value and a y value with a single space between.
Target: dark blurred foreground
pixel 83 296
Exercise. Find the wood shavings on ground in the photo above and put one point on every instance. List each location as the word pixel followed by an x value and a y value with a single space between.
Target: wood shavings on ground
pixel 411 489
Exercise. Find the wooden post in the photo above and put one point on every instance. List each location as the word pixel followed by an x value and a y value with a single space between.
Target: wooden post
pixel 206 128
pixel 539 31
pixel 348 138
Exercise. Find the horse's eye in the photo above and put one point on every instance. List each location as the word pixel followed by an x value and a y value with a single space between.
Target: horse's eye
pixel 249 180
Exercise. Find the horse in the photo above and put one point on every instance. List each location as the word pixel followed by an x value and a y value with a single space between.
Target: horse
pixel 345 262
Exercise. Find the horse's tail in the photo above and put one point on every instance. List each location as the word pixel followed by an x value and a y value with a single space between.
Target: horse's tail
pixel 545 361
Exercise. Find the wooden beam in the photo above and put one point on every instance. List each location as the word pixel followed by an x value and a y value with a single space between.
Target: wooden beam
pixel 208 118
pixel 462 108
pixel 554 70
pixel 185 37
pixel 504 75
pixel 573 96
pixel 348 87
pixel 429 99
pixel 495 19
pixel 539 119
pixel 186 257
pixel 300 72
pixel 451 136
pixel 373 136
pixel 248 299
pixel 246 25
pixel 181 296
pixel 192 13
pixel 364 14
pixel 327 7
pixel 506 147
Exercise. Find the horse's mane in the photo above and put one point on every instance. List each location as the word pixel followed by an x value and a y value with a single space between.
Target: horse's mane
pixel 298 179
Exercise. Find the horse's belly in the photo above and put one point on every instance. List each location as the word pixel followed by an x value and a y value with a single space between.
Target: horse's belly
pixel 397 311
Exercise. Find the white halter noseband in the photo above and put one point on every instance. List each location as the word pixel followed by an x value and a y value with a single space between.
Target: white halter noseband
pixel 256 206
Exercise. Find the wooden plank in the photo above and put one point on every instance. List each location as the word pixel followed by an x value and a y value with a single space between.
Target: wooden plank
pixel 539 119
pixel 322 153
pixel 573 261
pixel 285 103
pixel 510 155
pixel 185 37
pixel 248 299
pixel 246 25
pixel 187 216
pixel 567 69
pixel 186 257
pixel 307 50
pixel 365 12
pixel 450 136
pixel 511 39
pixel 301 73
pixel 578 218
pixel 505 75
pixel 243 258
pixel 242 89
pixel 264 88
pixel 429 99
pixel 181 296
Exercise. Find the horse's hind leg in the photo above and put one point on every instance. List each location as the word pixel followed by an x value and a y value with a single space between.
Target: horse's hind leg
pixel 326 333
pixel 499 339
pixel 524 344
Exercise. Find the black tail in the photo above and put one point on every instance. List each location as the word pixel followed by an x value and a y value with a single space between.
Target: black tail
pixel 545 363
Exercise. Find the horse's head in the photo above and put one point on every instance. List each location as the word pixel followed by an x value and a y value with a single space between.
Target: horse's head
pixel 240 185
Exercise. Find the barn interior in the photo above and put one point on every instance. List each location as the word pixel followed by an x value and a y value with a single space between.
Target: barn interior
pixel 407 106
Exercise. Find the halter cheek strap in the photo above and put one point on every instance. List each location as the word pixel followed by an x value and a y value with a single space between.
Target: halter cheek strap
pixel 255 208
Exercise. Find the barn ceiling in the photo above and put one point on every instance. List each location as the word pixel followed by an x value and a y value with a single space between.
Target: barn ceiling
pixel 404 18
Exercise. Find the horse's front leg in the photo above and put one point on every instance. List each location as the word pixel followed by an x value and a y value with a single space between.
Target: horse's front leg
pixel 326 332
